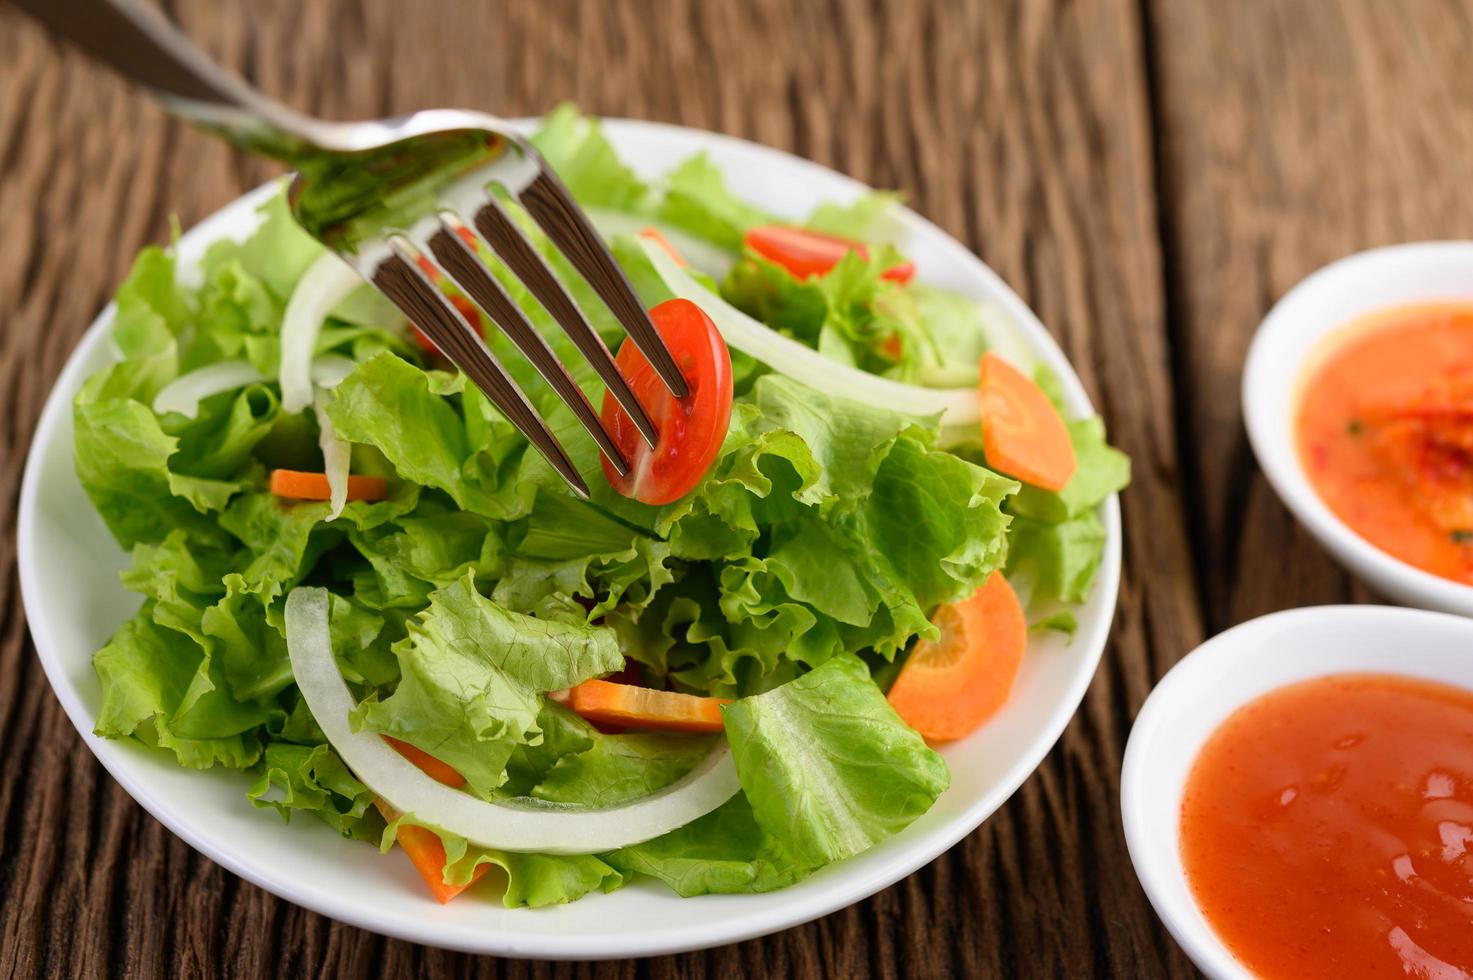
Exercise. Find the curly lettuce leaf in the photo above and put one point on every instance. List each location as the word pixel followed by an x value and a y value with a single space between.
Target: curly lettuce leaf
pixel 295 778
pixel 473 676
pixel 724 852
pixel 697 200
pixel 827 764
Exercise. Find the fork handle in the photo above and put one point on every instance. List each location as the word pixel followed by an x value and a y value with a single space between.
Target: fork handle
pixel 136 41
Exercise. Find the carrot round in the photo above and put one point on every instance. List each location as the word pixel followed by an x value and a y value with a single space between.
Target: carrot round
pixel 951 685
pixel 640 707
pixel 427 853
pixel 296 485
pixel 1023 435
pixel 428 764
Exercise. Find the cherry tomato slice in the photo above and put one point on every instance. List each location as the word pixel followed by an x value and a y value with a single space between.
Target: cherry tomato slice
pixel 809 253
pixel 691 428
pixel 462 303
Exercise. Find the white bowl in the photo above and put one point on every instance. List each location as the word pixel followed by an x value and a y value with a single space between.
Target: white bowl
pixel 69 565
pixel 1294 329
pixel 1222 675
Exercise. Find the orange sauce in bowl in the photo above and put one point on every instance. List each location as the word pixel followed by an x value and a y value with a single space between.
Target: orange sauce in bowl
pixel 1385 434
pixel 1327 830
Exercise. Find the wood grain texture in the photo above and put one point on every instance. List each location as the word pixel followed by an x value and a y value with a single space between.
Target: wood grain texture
pixel 1149 176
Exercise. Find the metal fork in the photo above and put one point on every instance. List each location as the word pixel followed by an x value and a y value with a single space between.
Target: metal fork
pixel 386 193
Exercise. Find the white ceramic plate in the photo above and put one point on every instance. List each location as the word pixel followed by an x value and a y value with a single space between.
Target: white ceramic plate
pixel 1298 329
pixel 1227 672
pixel 69 565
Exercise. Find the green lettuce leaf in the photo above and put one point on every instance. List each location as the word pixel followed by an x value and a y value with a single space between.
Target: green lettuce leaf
pixel 698 201
pixel 576 147
pixel 293 778
pixel 724 852
pixel 618 768
pixel 828 766
pixel 473 676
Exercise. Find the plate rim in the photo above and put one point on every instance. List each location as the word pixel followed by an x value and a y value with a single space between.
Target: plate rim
pixel 764 918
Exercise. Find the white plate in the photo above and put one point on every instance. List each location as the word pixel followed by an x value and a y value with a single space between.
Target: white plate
pixel 1293 333
pixel 1222 675
pixel 69 565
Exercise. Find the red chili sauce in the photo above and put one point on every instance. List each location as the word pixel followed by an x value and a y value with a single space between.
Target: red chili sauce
pixel 1327 830
pixel 1385 433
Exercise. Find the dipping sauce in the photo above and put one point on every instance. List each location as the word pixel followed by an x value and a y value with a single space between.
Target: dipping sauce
pixel 1327 830
pixel 1385 433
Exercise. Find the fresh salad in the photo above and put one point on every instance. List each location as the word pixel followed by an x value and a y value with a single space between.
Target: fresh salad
pixel 724 670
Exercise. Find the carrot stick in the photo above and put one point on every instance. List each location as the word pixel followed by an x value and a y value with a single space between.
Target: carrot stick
pixel 950 686
pixel 296 485
pixel 427 763
pixel 427 853
pixel 1023 435
pixel 640 707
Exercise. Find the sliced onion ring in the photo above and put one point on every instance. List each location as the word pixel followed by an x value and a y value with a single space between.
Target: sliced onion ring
pixel 325 284
pixel 522 824
pixel 185 392
pixel 337 455
pixel 956 406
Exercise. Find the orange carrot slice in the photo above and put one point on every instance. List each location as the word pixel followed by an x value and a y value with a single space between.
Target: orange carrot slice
pixel 653 234
pixel 640 707
pixel 951 685
pixel 428 764
pixel 296 485
pixel 427 853
pixel 1023 435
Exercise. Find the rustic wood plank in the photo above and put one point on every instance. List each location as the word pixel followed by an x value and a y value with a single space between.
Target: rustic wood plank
pixel 1025 131
pixel 1294 134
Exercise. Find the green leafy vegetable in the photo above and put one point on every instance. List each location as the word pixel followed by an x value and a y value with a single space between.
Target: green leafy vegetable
pixel 473 677
pixel 828 766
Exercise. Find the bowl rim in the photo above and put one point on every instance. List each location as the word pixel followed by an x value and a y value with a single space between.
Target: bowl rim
pixel 1157 858
pixel 767 916
pixel 1271 433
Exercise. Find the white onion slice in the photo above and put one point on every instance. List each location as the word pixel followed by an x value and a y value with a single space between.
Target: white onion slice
pixel 336 456
pixel 325 284
pixel 519 825
pixel 185 392
pixel 956 406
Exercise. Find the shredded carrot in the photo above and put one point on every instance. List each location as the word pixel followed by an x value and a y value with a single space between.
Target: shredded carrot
pixel 1023 435
pixel 951 685
pixel 296 485
pixel 639 707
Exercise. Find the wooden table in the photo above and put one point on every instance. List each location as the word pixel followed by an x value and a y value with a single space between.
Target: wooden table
pixel 1149 174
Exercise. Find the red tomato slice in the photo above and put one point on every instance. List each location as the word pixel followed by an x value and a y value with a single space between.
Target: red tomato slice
pixel 691 428
pixel 809 253
pixel 462 303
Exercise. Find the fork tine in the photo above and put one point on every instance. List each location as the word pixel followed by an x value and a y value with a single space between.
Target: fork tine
pixel 512 247
pixel 549 202
pixel 400 279
pixel 470 274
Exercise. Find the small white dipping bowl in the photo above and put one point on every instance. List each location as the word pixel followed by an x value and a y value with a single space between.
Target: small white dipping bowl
pixel 1291 334
pixel 1221 676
